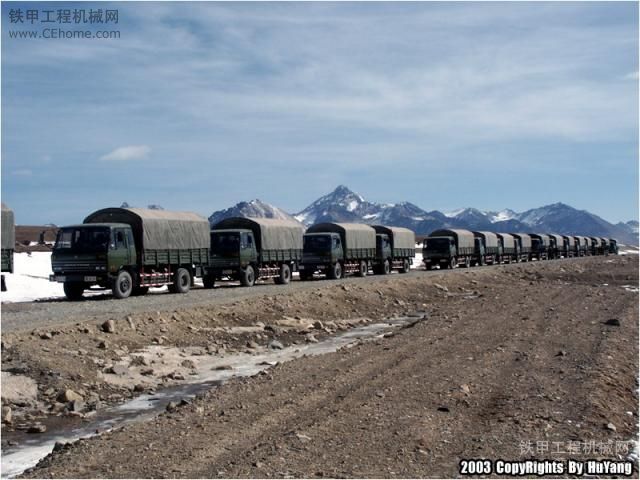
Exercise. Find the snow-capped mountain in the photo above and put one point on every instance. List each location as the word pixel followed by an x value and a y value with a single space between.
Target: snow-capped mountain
pixel 254 208
pixel 344 205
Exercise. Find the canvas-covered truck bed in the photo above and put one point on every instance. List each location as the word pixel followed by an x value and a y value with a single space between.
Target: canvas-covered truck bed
pixel 8 238
pixel 162 237
pixel 403 240
pixel 465 240
pixel 491 242
pixel 276 239
pixel 359 239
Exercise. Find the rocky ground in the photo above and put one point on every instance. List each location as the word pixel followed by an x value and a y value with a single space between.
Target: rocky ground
pixel 508 360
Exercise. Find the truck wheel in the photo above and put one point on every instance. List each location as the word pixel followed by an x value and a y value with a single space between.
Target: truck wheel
pixel 285 275
pixel 181 281
pixel 123 285
pixel 453 262
pixel 139 291
pixel 247 276
pixel 73 290
pixel 335 272
pixel 386 268
pixel 362 271
pixel 405 266
pixel 208 281
pixel 467 262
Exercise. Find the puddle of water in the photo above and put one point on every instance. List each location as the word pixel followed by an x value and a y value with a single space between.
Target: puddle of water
pixel 17 459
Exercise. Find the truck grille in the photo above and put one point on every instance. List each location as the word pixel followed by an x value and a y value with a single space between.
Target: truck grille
pixel 75 266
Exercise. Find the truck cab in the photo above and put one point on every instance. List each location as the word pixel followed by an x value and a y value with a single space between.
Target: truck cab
pixel 384 253
pixel 233 248
pixel 479 251
pixel 319 251
pixel 91 254
pixel 438 250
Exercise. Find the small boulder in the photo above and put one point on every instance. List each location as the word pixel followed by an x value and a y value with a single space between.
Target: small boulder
pixel 69 395
pixel 275 345
pixel 109 326
pixel 6 415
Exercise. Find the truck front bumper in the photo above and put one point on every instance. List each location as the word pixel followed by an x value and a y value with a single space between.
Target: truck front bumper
pixel 76 277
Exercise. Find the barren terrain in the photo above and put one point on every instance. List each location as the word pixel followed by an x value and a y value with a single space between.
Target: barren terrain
pixel 513 362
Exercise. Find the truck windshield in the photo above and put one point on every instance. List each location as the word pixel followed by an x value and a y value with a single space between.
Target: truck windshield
pixel 225 242
pixel 317 243
pixel 438 244
pixel 83 239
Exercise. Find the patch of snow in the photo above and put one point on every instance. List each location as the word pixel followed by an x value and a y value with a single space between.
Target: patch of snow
pixel 353 204
pixel 370 216
pixel 30 280
pixel 502 216
pixel 454 213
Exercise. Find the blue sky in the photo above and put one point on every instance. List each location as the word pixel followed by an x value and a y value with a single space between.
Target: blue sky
pixel 200 105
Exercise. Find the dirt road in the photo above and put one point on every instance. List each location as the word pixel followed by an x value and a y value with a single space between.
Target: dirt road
pixel 539 360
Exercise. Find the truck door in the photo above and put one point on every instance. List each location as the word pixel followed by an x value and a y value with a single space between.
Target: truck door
pixel 248 251
pixel 336 248
pixel 119 255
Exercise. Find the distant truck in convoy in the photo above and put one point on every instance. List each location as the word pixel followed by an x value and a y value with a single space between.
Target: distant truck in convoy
pixel 569 246
pixel 248 249
pixel 488 248
pixel 540 245
pixel 337 249
pixel 556 246
pixel 604 246
pixel 8 241
pixel 395 249
pixel 448 248
pixel 613 246
pixel 510 252
pixel 129 250
pixel 523 241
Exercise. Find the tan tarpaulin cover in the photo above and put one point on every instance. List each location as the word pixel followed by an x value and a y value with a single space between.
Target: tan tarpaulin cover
pixel 356 235
pixel 572 241
pixel 525 239
pixel 559 239
pixel 159 229
pixel 8 228
pixel 490 238
pixel 508 241
pixel 271 233
pixel 546 239
pixel 401 237
pixel 466 239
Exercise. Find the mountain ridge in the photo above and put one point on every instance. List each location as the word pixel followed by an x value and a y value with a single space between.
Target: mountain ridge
pixel 345 205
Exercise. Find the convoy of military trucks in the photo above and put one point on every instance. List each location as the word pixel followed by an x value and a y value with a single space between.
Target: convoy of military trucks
pixel 129 250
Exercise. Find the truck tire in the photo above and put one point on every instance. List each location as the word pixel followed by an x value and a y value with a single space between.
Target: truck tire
pixel 453 262
pixel 386 268
pixel 335 271
pixel 73 290
pixel 362 270
pixel 208 281
pixel 405 266
pixel 285 275
pixel 181 281
pixel 467 262
pixel 123 285
pixel 247 276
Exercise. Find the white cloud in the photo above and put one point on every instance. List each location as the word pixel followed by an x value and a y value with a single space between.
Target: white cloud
pixel 129 152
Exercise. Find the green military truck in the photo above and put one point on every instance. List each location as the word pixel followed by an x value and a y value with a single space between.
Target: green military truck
pixel 8 241
pixel 448 248
pixel 247 249
pixel 604 246
pixel 523 241
pixel 510 252
pixel 488 248
pixel 129 250
pixel 556 246
pixel 336 249
pixel 613 246
pixel 570 247
pixel 395 249
pixel 540 246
